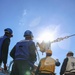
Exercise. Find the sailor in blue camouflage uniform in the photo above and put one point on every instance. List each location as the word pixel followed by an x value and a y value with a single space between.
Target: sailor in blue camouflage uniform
pixel 4 46
pixel 24 55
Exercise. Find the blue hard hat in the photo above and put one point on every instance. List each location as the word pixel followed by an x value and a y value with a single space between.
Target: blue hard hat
pixel 28 33
pixel 8 30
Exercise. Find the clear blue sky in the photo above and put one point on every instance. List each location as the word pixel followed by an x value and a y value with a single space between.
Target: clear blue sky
pixel 55 16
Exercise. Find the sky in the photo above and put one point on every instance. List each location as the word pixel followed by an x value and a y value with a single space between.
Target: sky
pixel 50 18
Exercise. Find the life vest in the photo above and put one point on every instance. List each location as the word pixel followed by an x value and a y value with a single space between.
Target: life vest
pixel 47 65
pixel 22 50
pixel 2 38
pixel 70 65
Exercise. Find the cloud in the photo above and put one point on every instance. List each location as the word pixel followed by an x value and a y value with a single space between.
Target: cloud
pixel 22 20
pixel 24 13
pixel 35 22
pixel 32 23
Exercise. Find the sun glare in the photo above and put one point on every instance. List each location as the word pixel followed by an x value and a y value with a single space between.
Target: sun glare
pixel 46 36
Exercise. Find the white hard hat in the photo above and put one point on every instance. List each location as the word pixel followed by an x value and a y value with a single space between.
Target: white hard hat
pixel 70 52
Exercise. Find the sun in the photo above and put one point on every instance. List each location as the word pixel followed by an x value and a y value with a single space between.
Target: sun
pixel 46 36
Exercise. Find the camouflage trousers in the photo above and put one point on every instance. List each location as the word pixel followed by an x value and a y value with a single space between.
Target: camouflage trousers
pixel 20 67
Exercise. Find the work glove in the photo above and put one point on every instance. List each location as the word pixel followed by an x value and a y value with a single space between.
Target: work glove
pixel 5 67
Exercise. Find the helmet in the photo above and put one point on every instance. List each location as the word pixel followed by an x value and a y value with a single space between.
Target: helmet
pixel 8 30
pixel 70 52
pixel 49 51
pixel 28 33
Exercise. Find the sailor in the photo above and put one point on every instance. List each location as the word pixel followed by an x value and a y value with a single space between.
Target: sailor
pixel 47 65
pixel 4 46
pixel 68 65
pixel 24 55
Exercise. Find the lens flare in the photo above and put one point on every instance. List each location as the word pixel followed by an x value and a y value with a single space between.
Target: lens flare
pixel 46 37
